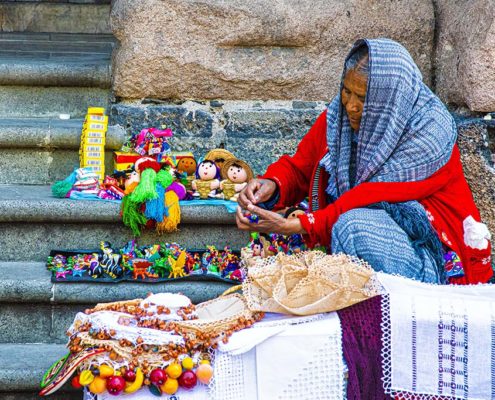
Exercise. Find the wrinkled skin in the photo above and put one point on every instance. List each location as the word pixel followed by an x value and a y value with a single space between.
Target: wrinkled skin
pixel 353 96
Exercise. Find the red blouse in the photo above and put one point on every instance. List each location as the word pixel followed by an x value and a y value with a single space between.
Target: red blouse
pixel 445 196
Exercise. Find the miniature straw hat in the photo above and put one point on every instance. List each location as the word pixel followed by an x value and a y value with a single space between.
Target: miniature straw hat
pixel 219 156
pixel 227 164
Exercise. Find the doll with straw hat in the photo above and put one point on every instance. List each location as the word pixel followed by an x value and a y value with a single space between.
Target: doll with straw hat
pixel 219 156
pixel 236 174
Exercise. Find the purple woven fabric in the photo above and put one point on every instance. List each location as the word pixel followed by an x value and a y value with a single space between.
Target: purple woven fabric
pixel 362 345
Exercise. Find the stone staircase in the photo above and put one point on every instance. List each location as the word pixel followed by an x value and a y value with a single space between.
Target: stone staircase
pixel 55 58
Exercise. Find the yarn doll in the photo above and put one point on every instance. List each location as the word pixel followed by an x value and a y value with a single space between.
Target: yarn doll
pixel 152 198
pixel 236 174
pixel 207 180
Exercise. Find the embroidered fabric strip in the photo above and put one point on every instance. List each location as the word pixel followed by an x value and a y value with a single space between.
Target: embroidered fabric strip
pixel 438 341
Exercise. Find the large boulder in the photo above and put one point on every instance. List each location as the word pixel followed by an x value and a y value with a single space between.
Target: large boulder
pixel 256 49
pixel 465 53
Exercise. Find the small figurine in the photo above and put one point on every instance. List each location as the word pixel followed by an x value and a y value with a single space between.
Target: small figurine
pixel 78 266
pixel 161 267
pixel 207 180
pixel 295 242
pixel 177 266
pixel 187 164
pixel 236 174
pixel 257 247
pixel 59 265
pixel 93 265
pixel 110 261
pixel 293 212
pixel 140 268
pixel 152 253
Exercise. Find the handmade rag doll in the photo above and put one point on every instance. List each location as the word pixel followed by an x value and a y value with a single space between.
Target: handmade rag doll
pixel 236 174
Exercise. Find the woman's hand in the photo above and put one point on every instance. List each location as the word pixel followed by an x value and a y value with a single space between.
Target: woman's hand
pixel 257 191
pixel 269 222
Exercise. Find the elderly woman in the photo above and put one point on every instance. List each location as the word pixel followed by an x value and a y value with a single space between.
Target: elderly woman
pixel 383 175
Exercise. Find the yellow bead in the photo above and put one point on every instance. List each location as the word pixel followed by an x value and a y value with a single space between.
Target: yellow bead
pixel 188 363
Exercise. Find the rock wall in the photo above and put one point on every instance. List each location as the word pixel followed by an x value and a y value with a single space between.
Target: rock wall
pixel 257 49
pixel 465 53
pixel 473 141
pixel 258 132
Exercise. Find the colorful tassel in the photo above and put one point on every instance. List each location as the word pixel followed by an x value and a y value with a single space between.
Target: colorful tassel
pixel 131 216
pixel 170 223
pixel 146 190
pixel 62 188
pixel 155 209
pixel 164 177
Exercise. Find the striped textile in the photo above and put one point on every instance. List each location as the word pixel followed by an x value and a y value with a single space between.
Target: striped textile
pixel 372 235
pixel 406 133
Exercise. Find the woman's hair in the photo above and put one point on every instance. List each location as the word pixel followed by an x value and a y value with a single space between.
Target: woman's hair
pixel 358 62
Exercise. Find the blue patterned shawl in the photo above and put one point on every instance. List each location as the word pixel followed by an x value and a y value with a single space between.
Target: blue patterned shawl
pixel 406 133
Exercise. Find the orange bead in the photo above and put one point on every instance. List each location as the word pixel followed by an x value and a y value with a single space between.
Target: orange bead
pixel 204 372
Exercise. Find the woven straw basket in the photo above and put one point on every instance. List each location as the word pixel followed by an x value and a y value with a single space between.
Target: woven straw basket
pixel 308 283
pixel 204 188
pixel 189 179
pixel 228 190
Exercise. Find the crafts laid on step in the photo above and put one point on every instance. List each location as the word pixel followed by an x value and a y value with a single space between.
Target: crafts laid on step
pixel 155 263
pixel 150 179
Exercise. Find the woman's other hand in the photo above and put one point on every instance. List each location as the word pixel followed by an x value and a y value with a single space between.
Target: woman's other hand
pixel 269 222
pixel 257 191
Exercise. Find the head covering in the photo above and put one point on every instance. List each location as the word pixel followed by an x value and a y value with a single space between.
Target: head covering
pixel 406 133
pixel 227 164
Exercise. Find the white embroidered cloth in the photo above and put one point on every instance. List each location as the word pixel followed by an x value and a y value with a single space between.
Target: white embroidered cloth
pixel 439 340
pixel 280 357
pixel 295 361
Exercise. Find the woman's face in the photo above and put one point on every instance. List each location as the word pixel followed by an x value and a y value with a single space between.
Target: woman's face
pixel 353 96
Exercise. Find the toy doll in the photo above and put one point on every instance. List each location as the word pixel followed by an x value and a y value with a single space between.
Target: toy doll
pixel 207 180
pixel 187 165
pixel 236 174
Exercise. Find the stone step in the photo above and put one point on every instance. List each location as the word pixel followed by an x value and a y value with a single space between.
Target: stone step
pixel 29 299
pixel 60 16
pixel 32 223
pixel 44 150
pixel 22 367
pixel 50 102
pixel 55 59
